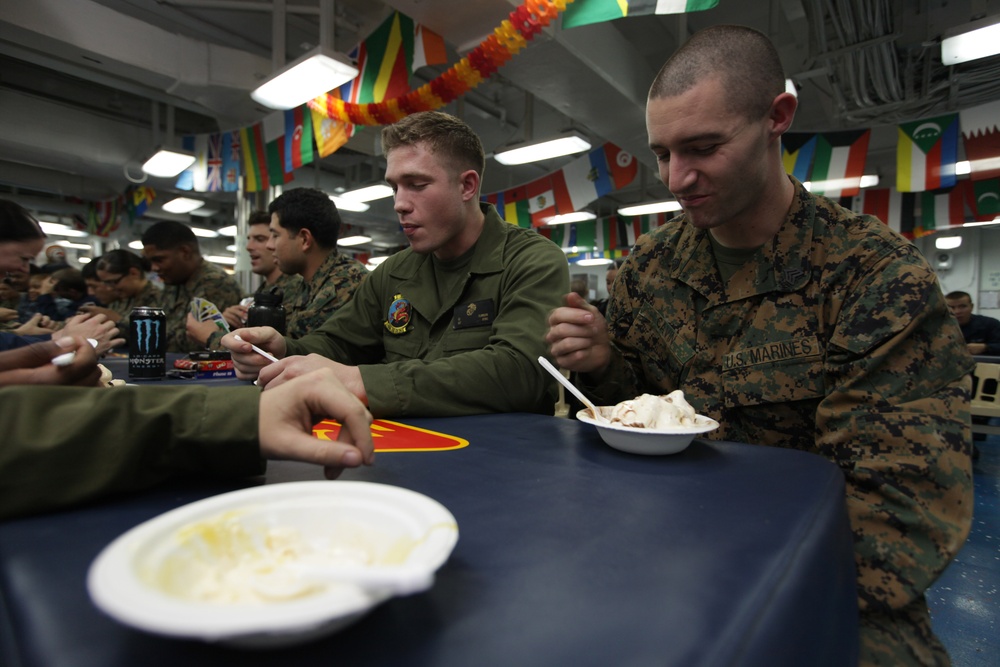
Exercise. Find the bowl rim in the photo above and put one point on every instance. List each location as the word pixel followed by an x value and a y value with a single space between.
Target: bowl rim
pixel 116 588
pixel 707 426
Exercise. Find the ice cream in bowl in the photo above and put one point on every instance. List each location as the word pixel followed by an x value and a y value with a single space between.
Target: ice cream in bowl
pixel 650 424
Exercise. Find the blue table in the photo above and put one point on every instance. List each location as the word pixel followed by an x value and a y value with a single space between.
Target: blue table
pixel 570 553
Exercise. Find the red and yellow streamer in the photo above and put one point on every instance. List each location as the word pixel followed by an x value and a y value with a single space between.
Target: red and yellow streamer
pixel 512 35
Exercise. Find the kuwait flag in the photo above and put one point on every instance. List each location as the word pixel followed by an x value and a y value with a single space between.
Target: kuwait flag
pixel 583 12
pixel 926 154
pixel 840 162
pixel 981 135
pixel 797 151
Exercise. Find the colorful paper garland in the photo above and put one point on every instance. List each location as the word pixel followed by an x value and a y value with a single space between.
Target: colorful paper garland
pixel 512 35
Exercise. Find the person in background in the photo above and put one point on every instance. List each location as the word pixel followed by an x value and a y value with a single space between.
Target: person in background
pixel 126 274
pixel 21 239
pixel 981 333
pixel 101 295
pixel 137 437
pixel 453 324
pixel 305 226
pixel 263 264
pixel 794 323
pixel 173 253
pixel 63 293
pixel 609 281
pixel 28 306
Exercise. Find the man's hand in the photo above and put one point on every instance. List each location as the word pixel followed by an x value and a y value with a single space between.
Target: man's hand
pixel 976 348
pixel 235 316
pixel 97 327
pixel 38 325
pixel 200 332
pixel 7 314
pixel 92 309
pixel 578 336
pixel 274 375
pixel 247 362
pixel 32 364
pixel 288 413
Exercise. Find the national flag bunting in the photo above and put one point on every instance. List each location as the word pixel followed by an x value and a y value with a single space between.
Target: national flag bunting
pixel 195 177
pixel 926 154
pixel 894 208
pixel 254 159
pixel 797 151
pixel 583 12
pixel 981 135
pixel 985 197
pixel 940 209
pixel 230 161
pixel 387 57
pixel 298 138
pixel 330 134
pixel 839 163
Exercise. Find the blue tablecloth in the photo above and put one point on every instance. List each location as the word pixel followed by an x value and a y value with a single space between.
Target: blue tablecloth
pixel 570 553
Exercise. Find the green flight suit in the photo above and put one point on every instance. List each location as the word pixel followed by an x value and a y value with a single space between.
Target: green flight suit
pixel 834 338
pixel 470 349
pixel 65 445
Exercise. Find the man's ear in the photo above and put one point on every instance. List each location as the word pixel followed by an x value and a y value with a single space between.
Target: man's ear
pixel 782 113
pixel 305 239
pixel 469 181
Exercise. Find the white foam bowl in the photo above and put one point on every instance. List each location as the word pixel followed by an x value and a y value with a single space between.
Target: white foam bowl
pixel 392 526
pixel 645 440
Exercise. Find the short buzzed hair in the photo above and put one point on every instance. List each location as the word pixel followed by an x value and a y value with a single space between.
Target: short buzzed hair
pixel 443 134
pixel 744 58
pixel 170 234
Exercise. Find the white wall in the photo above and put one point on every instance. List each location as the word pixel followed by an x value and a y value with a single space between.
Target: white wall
pixel 975 265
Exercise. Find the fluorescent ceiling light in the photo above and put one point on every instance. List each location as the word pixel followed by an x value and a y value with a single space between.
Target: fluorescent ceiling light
pixel 54 229
pixel 343 204
pixel 229 230
pixel 357 239
pixel 205 233
pixel 597 261
pixel 565 144
pixel 232 247
pixel 790 87
pixel 652 207
pixel 947 242
pixel 167 163
pixel 994 221
pixel 182 205
pixel 135 245
pixel 204 212
pixel 219 259
pixel 979 39
pixel 576 216
pixel 368 193
pixel 78 246
pixel 308 76
pixel 866 181
pixel 84 260
pixel 375 261
pixel 575 249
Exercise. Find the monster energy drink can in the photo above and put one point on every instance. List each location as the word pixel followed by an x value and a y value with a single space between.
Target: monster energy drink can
pixel 147 346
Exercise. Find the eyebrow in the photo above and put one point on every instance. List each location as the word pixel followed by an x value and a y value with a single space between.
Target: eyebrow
pixel 697 138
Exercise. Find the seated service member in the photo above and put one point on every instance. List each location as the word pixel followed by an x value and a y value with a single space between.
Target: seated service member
pixel 173 252
pixel 263 264
pixel 452 325
pixel 305 226
pixel 794 323
pixel 981 333
pixel 137 437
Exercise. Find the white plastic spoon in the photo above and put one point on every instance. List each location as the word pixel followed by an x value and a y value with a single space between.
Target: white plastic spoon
pixel 573 390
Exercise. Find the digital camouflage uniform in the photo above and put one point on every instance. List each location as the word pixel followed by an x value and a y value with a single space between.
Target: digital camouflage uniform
pixel 286 283
pixel 151 296
pixel 834 338
pixel 452 338
pixel 312 303
pixel 210 283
